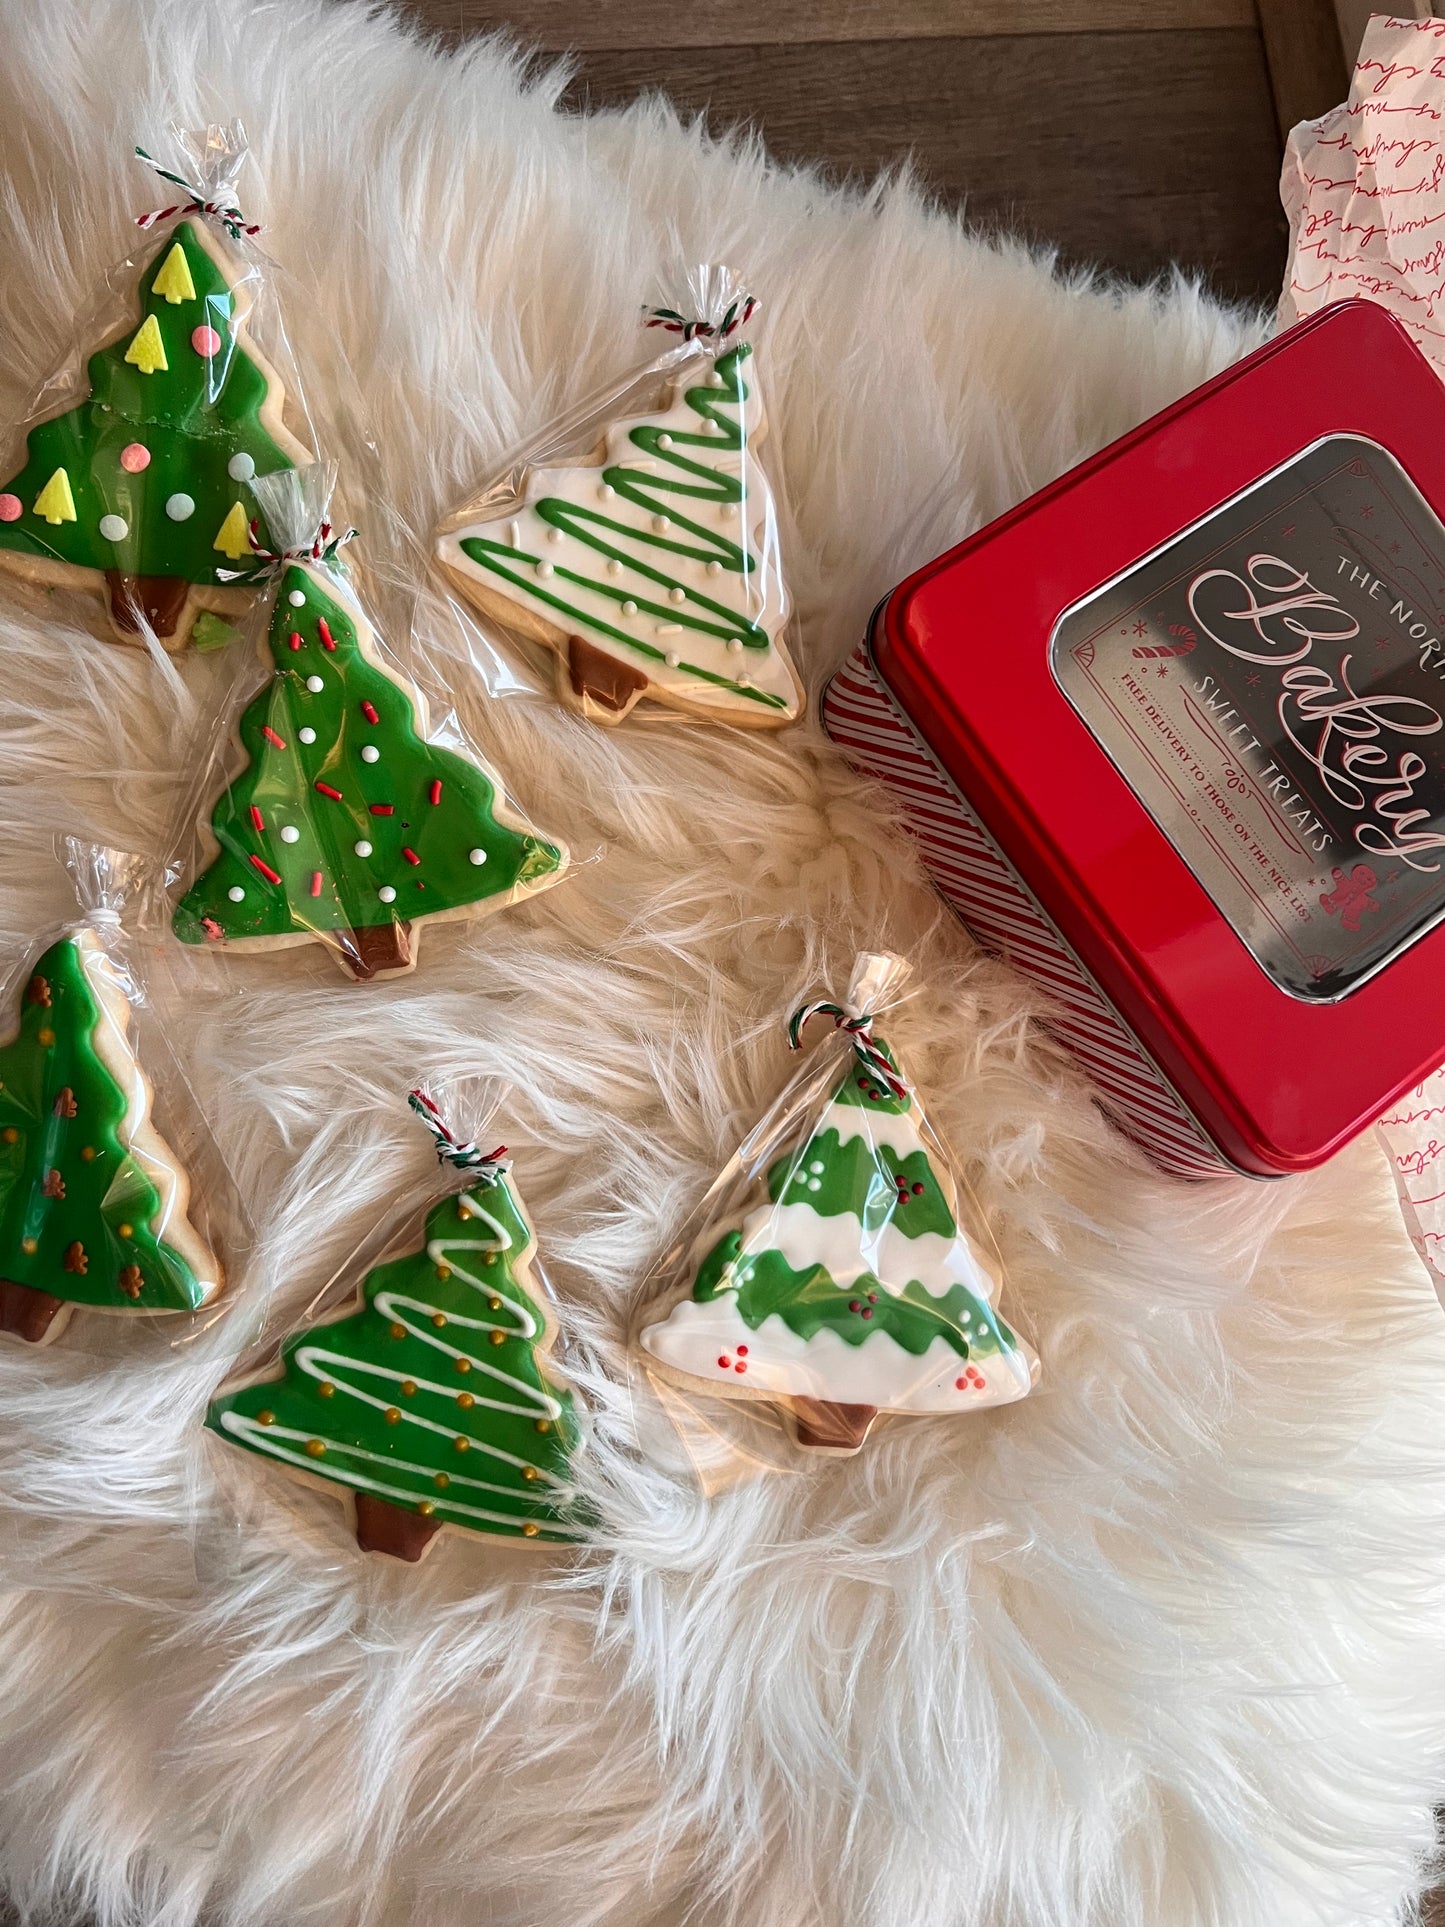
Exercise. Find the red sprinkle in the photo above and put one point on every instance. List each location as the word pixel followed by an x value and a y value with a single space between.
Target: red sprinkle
pixel 873 1298
pixel 436 789
pixel 740 1368
pixel 410 855
pixel 316 883
pixel 866 1312
pixel 327 641
pixel 742 1351
pixel 918 1190
pixel 383 809
pixel 724 1362
pixel 369 712
pixel 855 1304
pixel 295 639
pixel 265 869
pixel 960 1385
pixel 212 929
pixel 272 737
pixel 258 822
pixel 326 790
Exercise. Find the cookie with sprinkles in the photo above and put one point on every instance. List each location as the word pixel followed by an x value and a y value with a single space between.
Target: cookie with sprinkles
pixel 432 1402
pixel 651 569
pixel 344 825
pixel 93 1201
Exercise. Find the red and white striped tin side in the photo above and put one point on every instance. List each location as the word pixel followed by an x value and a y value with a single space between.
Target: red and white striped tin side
pixel 974 877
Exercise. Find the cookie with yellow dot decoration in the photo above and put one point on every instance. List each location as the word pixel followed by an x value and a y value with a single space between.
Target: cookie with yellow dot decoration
pixel 141 490
pixel 93 1201
pixel 370 1404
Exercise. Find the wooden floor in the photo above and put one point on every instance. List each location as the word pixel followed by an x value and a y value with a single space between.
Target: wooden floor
pixel 1134 133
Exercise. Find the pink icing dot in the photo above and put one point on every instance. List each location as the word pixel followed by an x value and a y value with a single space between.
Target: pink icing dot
pixel 11 508
pixel 206 341
pixel 134 457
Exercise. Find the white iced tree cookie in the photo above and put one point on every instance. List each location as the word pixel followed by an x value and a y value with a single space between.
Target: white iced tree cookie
pixel 654 571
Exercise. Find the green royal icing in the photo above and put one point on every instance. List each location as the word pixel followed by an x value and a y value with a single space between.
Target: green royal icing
pixel 195 416
pixel 472 1418
pixel 71 1193
pixel 860 1180
pixel 679 478
pixel 281 784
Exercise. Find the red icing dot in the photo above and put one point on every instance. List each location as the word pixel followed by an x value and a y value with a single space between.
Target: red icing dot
pixel 960 1385
pixel 134 457
pixel 724 1362
pixel 740 1368
pixel 862 1083
pixel 873 1298
pixel 295 639
pixel 874 1096
pixel 742 1351
pixel 205 340
pixel 855 1304
pixel 918 1190
pixel 11 508
pixel 866 1312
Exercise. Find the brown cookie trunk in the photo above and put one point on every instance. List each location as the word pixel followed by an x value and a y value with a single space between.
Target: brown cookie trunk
pixel 392 1529
pixel 600 678
pixel 381 946
pixel 140 600
pixel 27 1313
pixel 821 1426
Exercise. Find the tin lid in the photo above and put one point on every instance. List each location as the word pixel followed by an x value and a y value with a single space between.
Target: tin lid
pixel 1196 691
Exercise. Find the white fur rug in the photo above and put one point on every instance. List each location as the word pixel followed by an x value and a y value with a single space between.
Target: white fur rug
pixel 1164 1646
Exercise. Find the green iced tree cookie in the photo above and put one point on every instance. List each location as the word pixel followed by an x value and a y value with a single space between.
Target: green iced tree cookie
pixel 431 1405
pixel 92 1201
pixel 142 489
pixel 346 826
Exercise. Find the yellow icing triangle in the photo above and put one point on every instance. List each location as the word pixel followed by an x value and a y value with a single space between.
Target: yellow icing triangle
pixel 55 501
pixel 148 352
pixel 174 280
pixel 233 538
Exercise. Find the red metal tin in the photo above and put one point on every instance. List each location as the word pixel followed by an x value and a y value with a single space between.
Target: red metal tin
pixel 1161 818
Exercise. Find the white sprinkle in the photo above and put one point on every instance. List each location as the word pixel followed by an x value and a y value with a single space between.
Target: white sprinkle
pixel 815 1184
pixel 545 568
pixel 629 608
pixel 514 533
pixel 370 753
pixel 735 645
pixel 307 735
pixel 476 856
pixel 660 522
pixel 672 659
pixel 816 1167
pixel 235 893
pixel 614 567
pixel 180 507
pixel 714 568
pixel 363 848
pixel 241 467
pixel 314 684
pixel 386 893
pixel 664 441
pixel 290 834
pixel 296 598
pixel 114 528
pixel 677 595
pixel 607 491
pixel 669 628
pixel 554 535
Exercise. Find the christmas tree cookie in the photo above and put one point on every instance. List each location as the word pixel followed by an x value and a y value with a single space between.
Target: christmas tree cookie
pixel 853 1290
pixel 141 491
pixel 432 1403
pixel 346 826
pixel 92 1200
pixel 654 570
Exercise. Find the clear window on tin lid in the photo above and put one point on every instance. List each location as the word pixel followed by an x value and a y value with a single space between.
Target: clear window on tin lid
pixel 1271 685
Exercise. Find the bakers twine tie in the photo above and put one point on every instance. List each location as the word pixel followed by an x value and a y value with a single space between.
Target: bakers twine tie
pixel 487 1167
pixel 226 213
pixel 860 1034
pixel 270 561
pixel 741 312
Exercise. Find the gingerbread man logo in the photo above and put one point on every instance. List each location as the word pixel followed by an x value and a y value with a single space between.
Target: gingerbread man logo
pixel 1350 900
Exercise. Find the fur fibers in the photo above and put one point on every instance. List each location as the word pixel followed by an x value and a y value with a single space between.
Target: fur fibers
pixel 1163 1646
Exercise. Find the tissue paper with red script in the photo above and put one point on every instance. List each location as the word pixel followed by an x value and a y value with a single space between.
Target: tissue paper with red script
pixel 1364 188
